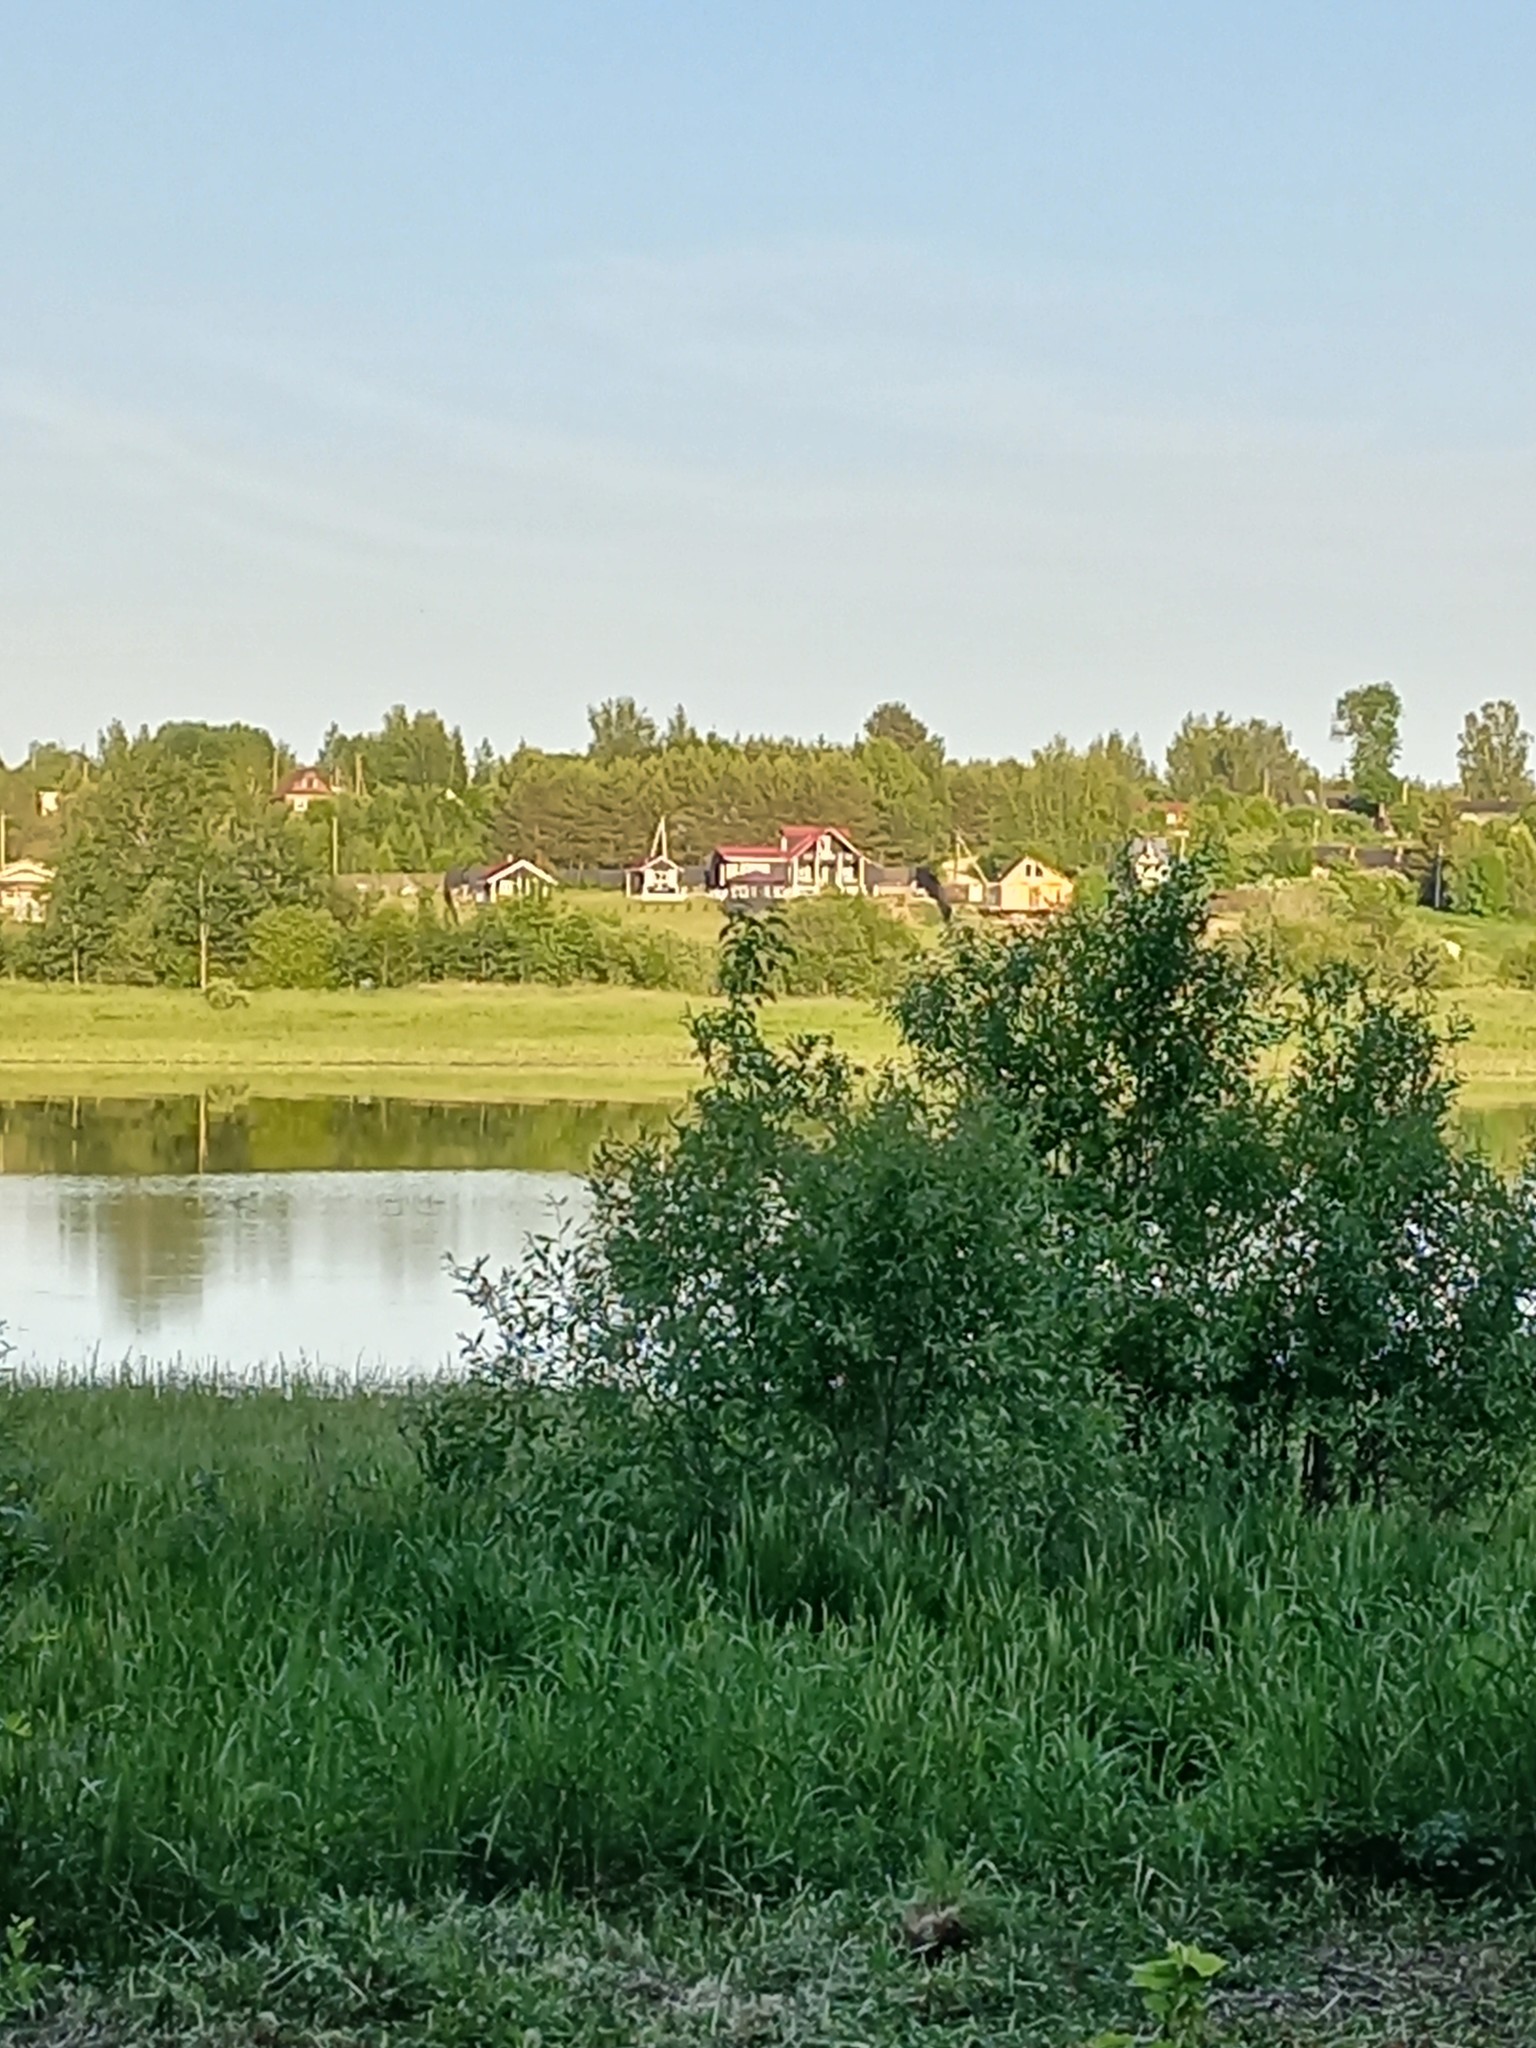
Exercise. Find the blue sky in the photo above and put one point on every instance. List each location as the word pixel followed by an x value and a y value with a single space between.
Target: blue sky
pixel 1052 368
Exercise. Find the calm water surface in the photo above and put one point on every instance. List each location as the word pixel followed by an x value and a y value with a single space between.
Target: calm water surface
pixel 195 1233
pixel 190 1233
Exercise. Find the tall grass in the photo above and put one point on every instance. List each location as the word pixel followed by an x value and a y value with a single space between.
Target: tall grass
pixel 248 1659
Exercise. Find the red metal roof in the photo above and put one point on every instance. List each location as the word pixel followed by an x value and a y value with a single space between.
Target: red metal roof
pixel 797 837
pixel 794 840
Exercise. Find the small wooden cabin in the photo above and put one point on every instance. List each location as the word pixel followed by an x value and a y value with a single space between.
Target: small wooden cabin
pixel 305 786
pixel 1031 888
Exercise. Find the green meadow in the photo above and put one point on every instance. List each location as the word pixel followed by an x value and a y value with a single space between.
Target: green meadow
pixel 455 1042
pixel 462 1043
pixel 289 1732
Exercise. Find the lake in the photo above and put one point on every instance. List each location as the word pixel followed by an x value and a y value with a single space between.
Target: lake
pixel 257 1236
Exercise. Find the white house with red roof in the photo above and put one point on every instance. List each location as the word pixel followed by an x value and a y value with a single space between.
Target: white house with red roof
pixel 305 786
pixel 808 860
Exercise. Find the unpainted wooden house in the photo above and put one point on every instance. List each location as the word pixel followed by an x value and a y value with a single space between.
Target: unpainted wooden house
pixel 305 786
pixel 1031 888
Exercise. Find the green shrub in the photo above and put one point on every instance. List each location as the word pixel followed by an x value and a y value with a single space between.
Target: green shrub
pixel 1479 882
pixel 846 946
pixel 292 947
pixel 21 951
pixel 537 939
pixel 1089 1196
pixel 384 948
pixel 1307 1266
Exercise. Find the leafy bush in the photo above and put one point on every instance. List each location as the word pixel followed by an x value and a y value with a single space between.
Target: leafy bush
pixel 1479 881
pixel 292 947
pixel 383 948
pixel 531 939
pixel 846 946
pixel 1088 1196
pixel 801 1287
pixel 1306 1266
pixel 20 950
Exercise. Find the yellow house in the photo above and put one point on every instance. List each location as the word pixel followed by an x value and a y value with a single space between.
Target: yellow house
pixel 1030 888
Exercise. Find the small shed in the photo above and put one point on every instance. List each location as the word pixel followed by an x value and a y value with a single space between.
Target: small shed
pixel 509 879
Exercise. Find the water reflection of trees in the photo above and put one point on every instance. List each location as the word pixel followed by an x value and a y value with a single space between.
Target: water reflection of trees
pixel 342 1268
pixel 220 1132
pixel 149 1243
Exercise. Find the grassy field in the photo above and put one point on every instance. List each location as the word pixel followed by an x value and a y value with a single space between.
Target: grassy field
pixel 450 1043
pixel 294 1747
pixel 488 1044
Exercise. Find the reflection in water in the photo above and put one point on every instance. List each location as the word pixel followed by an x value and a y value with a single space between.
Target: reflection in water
pixel 226 1132
pixel 241 1233
pixel 339 1272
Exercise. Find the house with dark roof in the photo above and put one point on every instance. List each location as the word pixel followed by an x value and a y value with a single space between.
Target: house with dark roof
pixel 807 861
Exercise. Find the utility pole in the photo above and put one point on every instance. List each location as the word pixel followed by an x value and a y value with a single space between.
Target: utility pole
pixel 202 933
pixel 335 844
pixel 4 821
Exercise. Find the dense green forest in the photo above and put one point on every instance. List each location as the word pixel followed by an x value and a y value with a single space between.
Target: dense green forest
pixel 175 857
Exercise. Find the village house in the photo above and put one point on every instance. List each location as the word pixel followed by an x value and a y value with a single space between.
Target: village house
pixel 510 879
pixel 24 886
pixel 305 786
pixel 1030 888
pixel 808 860
pixel 657 878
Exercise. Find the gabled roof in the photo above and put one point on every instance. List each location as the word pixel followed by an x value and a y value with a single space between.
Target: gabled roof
pixel 305 782
pixel 520 866
pixel 1043 871
pixel 797 838
pixel 25 874
pixel 774 853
